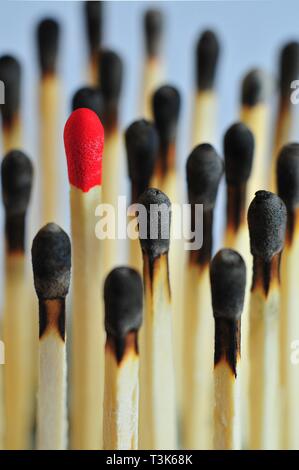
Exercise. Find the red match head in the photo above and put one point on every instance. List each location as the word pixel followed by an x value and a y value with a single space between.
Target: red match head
pixel 84 143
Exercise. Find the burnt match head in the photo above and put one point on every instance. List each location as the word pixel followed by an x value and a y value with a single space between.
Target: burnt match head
pixel 254 88
pixel 288 175
pixel 204 170
pixel 123 296
pixel 48 33
pixel 110 76
pixel 93 17
pixel 238 153
pixel 166 109
pixel 267 217
pixel 89 97
pixel 228 281
pixel 289 67
pixel 10 75
pixel 154 222
pixel 51 262
pixel 153 25
pixel 207 53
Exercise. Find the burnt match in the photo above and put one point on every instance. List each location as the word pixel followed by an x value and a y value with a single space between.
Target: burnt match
pixel 89 97
pixel 93 11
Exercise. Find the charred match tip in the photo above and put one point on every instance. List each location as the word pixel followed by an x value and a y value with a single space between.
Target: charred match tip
pixel 48 32
pixel 166 109
pixel 89 97
pixel 267 217
pixel 84 145
pixel 228 281
pixel 254 88
pixel 288 175
pixel 111 74
pixel 93 15
pixel 51 262
pixel 10 75
pixel 204 170
pixel 156 219
pixel 207 53
pixel 238 153
pixel 289 67
pixel 153 25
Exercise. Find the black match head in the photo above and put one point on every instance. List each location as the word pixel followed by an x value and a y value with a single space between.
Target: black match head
pixel 204 170
pixel 254 88
pixel 166 108
pixel 267 217
pixel 228 281
pixel 16 177
pixel 238 153
pixel 207 53
pixel 93 18
pixel 110 75
pixel 153 25
pixel 51 262
pixel 288 175
pixel 289 67
pixel 123 296
pixel 154 222
pixel 48 32
pixel 89 97
pixel 10 75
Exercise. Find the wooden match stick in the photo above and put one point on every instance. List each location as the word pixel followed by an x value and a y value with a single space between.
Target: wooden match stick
pixel 205 103
pixel 288 190
pixel 228 280
pixel 84 140
pixel 289 71
pixel 267 223
pixel 93 18
pixel 142 145
pixel 51 262
pixel 204 171
pixel 158 426
pixel 123 295
pixel 48 33
pixel 89 97
pixel 17 174
pixel 10 75
pixel 153 70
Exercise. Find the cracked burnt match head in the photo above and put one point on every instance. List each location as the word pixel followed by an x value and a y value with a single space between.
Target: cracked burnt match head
pixel 288 175
pixel 48 33
pixel 254 88
pixel 238 153
pixel 166 108
pixel 207 54
pixel 142 144
pixel 51 262
pixel 93 18
pixel 110 76
pixel 204 170
pixel 10 75
pixel 289 68
pixel 153 26
pixel 267 217
pixel 89 97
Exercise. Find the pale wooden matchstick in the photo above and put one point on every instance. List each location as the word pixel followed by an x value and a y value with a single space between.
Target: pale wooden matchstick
pixel 123 295
pixel 93 17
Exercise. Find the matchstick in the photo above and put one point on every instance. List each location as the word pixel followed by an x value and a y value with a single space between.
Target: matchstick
pixel 123 295
pixel 228 280
pixel 205 103
pixel 51 262
pixel 158 426
pixel 89 97
pixel 288 190
pixel 16 175
pixel 93 18
pixel 142 144
pixel 48 33
pixel 267 223
pixel 10 75
pixel 204 171
pixel 84 140
pixel 153 70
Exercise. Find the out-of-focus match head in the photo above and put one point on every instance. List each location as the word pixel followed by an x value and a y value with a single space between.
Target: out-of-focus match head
pixel 110 76
pixel 207 54
pixel 153 25
pixel 89 97
pixel 288 175
pixel 93 17
pixel 166 109
pixel 289 68
pixel 10 75
pixel 238 153
pixel 48 33
pixel 255 88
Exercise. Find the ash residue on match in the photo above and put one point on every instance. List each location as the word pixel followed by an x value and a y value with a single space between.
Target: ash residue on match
pixel 207 54
pixel 10 75
pixel 238 153
pixel 288 175
pixel 153 26
pixel 89 97
pixel 166 108
pixel 93 16
pixel 289 68
pixel 110 76
pixel 254 88
pixel 48 33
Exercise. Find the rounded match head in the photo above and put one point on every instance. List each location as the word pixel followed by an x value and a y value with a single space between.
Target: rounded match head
pixel 111 75
pixel 238 153
pixel 267 218
pixel 93 17
pixel 153 26
pixel 289 67
pixel 48 32
pixel 123 297
pixel 84 144
pixel 89 97
pixel 10 75
pixel 166 108
pixel 228 281
pixel 204 170
pixel 254 88
pixel 207 54
pixel 51 262
pixel 288 175
pixel 17 178
pixel 154 222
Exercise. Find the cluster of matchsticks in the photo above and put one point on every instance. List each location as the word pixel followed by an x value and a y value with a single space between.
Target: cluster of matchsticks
pixel 196 392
